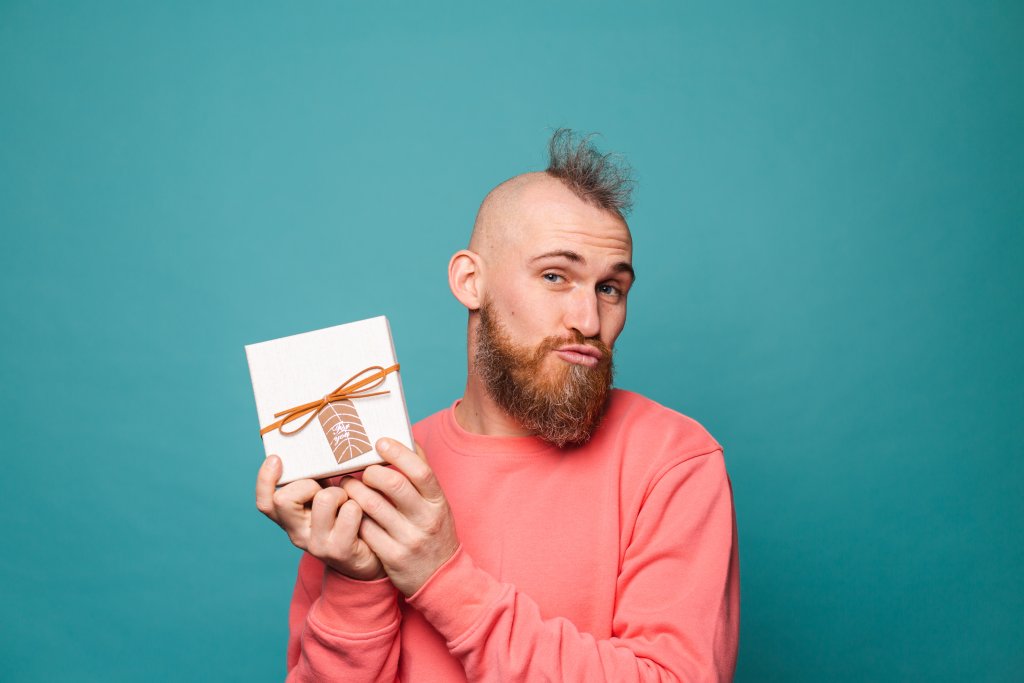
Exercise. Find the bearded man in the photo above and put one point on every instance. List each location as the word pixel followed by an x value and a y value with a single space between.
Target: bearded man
pixel 549 528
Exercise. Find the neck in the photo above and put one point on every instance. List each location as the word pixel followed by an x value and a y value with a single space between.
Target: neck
pixel 477 413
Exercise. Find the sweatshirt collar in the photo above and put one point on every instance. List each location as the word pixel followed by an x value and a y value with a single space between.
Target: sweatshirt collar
pixel 469 443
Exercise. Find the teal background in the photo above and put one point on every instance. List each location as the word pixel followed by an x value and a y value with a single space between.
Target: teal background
pixel 829 247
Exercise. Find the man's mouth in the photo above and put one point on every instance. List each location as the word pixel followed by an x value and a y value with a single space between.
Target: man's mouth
pixel 581 354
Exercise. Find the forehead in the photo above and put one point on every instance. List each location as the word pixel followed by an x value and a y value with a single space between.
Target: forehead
pixel 551 217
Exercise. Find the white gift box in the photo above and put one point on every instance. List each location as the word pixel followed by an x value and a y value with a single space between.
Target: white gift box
pixel 337 430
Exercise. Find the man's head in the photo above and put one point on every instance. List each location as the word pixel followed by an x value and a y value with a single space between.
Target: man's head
pixel 545 279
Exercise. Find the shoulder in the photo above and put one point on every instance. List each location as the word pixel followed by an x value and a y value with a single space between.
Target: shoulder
pixel 647 425
pixel 660 451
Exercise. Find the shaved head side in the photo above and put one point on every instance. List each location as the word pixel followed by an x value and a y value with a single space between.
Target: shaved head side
pixel 495 221
pixel 601 180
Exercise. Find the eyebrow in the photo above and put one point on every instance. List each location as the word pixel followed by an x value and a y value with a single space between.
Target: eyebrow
pixel 572 256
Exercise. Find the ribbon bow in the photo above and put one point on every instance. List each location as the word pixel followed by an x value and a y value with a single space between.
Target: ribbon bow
pixel 353 387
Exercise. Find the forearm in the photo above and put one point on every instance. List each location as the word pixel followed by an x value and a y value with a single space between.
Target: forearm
pixel 342 629
pixel 676 602
pixel 499 634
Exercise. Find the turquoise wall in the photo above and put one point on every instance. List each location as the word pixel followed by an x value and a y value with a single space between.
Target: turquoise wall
pixel 829 248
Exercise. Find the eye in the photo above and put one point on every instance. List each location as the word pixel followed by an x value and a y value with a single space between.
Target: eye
pixel 609 290
pixel 552 277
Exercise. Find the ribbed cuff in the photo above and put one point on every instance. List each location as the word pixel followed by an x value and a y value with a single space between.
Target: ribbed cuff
pixel 357 606
pixel 456 597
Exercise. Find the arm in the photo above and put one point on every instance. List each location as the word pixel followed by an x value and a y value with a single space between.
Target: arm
pixel 677 611
pixel 340 628
pixel 344 618
pixel 677 602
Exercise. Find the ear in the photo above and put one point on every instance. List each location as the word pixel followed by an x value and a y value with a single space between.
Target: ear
pixel 464 275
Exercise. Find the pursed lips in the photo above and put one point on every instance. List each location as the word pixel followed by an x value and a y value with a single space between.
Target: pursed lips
pixel 580 354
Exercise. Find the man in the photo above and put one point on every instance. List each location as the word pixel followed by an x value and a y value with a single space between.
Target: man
pixel 549 528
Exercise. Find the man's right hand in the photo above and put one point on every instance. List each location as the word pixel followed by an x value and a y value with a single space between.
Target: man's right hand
pixel 322 521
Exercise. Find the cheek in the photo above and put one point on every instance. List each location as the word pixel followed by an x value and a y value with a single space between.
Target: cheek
pixel 509 302
pixel 528 315
pixel 519 301
pixel 612 326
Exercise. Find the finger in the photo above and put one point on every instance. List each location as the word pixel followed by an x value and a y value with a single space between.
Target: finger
pixel 378 540
pixel 376 506
pixel 290 502
pixel 346 536
pixel 413 466
pixel 346 524
pixel 323 516
pixel 346 530
pixel 266 481
pixel 393 484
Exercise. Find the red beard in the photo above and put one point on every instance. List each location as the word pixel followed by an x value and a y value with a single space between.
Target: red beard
pixel 563 407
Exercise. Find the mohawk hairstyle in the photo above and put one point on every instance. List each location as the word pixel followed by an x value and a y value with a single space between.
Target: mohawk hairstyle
pixel 604 180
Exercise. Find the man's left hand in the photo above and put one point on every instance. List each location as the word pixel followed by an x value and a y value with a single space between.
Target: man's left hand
pixel 406 522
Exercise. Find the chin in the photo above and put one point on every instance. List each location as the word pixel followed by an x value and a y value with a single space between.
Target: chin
pixel 555 368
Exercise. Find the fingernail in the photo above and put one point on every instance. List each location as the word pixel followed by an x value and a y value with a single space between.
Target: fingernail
pixel 274 460
pixel 384 445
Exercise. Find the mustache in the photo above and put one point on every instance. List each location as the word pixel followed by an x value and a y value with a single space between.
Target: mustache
pixel 551 343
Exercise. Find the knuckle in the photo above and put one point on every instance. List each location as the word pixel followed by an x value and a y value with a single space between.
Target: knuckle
pixel 435 525
pixel 324 499
pixel 396 485
pixel 385 478
pixel 373 506
pixel 422 474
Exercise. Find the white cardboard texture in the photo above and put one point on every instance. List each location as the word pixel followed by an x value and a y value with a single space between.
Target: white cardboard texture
pixel 294 370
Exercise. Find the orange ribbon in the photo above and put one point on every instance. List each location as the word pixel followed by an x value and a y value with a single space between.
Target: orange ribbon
pixel 353 387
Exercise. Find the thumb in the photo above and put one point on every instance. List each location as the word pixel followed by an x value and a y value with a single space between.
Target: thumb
pixel 266 481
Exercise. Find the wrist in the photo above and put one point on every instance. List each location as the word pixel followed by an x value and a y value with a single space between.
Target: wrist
pixel 352 605
pixel 357 575
pixel 410 582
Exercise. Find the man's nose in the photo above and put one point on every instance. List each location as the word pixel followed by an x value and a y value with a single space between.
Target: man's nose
pixel 583 314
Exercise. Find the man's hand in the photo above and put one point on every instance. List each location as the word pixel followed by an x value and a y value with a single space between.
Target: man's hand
pixel 322 521
pixel 407 521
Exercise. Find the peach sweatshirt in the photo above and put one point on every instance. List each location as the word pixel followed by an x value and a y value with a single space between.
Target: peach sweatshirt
pixel 616 561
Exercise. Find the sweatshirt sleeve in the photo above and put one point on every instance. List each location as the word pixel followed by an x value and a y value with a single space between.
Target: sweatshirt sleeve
pixel 677 598
pixel 340 628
